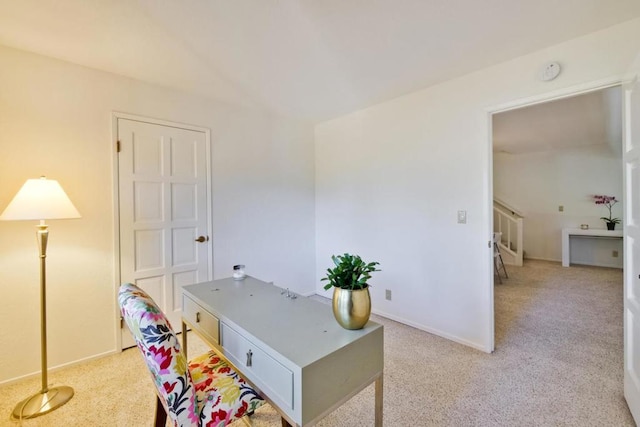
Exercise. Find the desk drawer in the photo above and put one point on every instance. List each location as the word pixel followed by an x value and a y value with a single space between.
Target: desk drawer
pixel 204 322
pixel 259 367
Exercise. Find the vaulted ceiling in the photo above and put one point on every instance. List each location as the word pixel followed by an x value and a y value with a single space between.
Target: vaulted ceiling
pixel 581 121
pixel 312 59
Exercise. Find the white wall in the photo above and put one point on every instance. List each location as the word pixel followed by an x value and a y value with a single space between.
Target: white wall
pixel 538 183
pixel 391 178
pixel 55 119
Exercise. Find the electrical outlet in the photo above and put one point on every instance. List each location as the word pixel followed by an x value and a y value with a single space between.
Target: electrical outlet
pixel 387 294
pixel 614 254
pixel 462 217
pixel 560 208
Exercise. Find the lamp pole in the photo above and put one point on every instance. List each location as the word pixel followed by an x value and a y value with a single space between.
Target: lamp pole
pixel 42 234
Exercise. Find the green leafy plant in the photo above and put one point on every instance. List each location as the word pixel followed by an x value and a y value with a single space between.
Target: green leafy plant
pixel 350 272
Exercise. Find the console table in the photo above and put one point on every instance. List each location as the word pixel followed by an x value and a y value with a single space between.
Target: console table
pixel 291 350
pixel 593 232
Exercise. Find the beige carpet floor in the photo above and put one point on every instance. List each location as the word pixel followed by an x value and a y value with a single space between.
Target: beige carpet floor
pixel 558 362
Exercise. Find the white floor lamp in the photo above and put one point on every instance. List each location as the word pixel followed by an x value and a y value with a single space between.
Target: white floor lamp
pixel 41 199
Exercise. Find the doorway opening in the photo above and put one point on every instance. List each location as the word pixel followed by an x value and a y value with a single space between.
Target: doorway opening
pixel 549 161
pixel 504 108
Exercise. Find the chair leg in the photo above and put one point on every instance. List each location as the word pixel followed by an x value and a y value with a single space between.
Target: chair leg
pixel 504 268
pixel 496 270
pixel 161 414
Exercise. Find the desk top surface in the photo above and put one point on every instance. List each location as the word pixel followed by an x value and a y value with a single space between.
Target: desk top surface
pixel 592 232
pixel 301 329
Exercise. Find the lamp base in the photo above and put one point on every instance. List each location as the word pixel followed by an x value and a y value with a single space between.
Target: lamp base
pixel 41 403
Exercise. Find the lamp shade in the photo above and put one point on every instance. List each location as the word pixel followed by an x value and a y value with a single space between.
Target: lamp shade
pixel 40 199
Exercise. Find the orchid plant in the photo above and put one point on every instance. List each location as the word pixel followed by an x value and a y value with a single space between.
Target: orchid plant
pixel 608 202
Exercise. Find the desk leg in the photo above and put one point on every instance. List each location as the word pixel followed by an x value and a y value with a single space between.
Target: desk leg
pixel 566 247
pixel 184 340
pixel 379 398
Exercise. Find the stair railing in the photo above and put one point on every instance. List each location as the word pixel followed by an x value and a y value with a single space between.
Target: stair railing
pixel 510 225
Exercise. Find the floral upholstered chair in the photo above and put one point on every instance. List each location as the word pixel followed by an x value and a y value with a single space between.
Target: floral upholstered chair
pixel 205 392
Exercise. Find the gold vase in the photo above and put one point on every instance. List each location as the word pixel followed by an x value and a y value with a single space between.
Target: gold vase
pixel 351 308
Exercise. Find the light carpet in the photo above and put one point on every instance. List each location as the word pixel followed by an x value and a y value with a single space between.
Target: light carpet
pixel 558 362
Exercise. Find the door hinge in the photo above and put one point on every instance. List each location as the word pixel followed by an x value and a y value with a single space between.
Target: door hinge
pixel 121 322
pixel 117 146
pixel 489 244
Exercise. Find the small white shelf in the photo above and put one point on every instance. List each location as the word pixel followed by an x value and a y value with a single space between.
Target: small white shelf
pixel 591 232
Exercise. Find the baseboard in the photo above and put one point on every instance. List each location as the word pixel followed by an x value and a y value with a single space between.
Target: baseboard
pixel 432 331
pixel 57 368
pixel 586 265
pixel 425 328
pixel 533 258
pixel 598 265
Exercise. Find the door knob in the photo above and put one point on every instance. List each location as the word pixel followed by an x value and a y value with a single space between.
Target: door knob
pixel 202 239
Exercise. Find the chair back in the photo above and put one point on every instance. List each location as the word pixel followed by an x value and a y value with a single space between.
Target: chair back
pixel 161 351
pixel 496 239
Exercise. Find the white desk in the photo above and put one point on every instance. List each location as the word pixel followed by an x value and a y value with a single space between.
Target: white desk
pixel 291 350
pixel 593 232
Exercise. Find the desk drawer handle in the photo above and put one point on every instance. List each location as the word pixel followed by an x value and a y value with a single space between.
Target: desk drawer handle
pixel 249 354
pixel 198 317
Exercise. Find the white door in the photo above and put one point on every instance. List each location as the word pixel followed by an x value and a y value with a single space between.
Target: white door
pixel 631 160
pixel 164 212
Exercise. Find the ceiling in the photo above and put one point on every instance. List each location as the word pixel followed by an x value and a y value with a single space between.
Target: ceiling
pixel 581 121
pixel 311 59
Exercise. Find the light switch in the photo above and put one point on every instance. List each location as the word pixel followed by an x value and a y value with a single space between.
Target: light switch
pixel 560 208
pixel 462 217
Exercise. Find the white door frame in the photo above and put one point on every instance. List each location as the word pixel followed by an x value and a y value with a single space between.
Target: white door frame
pixel 513 105
pixel 116 199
